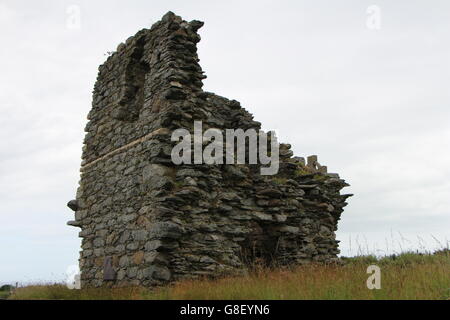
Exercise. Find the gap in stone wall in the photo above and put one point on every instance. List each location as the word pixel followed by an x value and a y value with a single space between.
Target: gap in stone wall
pixel 260 248
pixel 133 98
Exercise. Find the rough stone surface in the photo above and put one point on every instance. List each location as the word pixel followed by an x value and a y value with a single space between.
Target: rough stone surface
pixel 145 221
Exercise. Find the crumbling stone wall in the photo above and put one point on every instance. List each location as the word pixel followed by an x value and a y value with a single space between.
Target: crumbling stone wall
pixel 144 220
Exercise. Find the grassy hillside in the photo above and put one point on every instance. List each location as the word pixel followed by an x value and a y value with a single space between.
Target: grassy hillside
pixel 405 276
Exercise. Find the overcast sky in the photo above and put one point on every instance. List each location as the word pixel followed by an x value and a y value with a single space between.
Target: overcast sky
pixel 371 99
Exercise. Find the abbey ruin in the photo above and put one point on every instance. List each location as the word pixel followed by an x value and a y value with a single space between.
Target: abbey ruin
pixel 146 221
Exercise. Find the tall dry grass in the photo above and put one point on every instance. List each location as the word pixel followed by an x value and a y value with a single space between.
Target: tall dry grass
pixel 405 276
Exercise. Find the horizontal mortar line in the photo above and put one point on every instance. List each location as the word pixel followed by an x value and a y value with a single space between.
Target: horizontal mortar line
pixel 122 148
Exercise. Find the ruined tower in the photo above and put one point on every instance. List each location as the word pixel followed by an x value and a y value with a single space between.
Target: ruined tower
pixel 146 221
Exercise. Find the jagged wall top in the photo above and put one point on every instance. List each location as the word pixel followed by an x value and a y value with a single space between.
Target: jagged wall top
pixel 140 80
pixel 145 220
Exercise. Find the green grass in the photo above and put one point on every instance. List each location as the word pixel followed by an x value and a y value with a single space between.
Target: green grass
pixel 405 276
pixel 4 294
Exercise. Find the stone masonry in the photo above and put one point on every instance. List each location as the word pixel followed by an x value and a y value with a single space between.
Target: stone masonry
pixel 145 221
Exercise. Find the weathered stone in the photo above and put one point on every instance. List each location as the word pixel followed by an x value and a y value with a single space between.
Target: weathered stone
pixel 280 217
pixel 158 272
pixel 132 246
pixel 73 204
pixel 263 216
pixel 138 257
pixel 74 224
pixel 289 229
pixel 132 272
pixel 157 176
pixel 124 262
pixel 165 230
pixel 108 272
pixel 139 235
pixel 270 193
pixel 150 220
pixel 99 242
pixel 155 257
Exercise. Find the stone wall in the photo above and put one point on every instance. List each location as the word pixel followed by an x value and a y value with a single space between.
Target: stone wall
pixel 144 220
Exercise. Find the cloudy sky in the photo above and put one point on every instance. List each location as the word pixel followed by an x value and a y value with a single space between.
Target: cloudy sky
pixel 363 84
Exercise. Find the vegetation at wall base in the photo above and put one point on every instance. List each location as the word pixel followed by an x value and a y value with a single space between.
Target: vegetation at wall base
pixel 406 276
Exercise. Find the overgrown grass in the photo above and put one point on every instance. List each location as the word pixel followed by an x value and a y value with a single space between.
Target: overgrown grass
pixel 61 292
pixel 405 276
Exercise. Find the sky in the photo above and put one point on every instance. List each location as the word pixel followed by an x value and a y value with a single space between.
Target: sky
pixel 362 84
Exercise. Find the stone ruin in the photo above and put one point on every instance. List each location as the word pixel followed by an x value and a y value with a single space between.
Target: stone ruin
pixel 145 221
